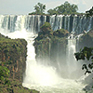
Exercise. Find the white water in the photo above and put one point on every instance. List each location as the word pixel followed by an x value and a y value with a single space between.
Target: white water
pixel 45 79
pixel 71 62
pixel 33 22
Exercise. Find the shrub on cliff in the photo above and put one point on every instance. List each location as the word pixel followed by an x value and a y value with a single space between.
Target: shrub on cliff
pixel 46 28
pixel 61 33
pixel 4 74
pixel 47 32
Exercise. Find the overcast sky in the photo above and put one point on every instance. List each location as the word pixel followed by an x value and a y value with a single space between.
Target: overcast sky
pixel 26 6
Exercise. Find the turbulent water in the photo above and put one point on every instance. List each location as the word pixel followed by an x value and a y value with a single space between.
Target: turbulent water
pixel 37 76
pixel 45 79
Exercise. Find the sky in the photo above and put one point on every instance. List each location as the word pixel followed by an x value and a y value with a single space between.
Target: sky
pixel 23 7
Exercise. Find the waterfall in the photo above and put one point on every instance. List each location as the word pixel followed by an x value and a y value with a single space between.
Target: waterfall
pixel 33 22
pixel 37 75
pixel 71 62
pixel 18 23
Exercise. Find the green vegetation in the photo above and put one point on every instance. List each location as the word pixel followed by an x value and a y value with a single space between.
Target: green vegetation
pixel 61 33
pixel 89 12
pixel 15 86
pixel 12 65
pixel 86 53
pixel 13 55
pixel 45 26
pixel 65 8
pixel 4 75
pixel 39 9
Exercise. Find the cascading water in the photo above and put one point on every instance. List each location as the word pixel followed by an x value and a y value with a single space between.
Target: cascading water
pixel 73 67
pixel 71 63
pixel 37 76
pixel 33 22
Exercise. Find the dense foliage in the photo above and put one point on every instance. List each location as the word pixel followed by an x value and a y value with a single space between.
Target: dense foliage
pixel 86 53
pixel 89 12
pixel 4 74
pixel 61 33
pixel 47 32
pixel 65 8
pixel 13 55
pixel 39 9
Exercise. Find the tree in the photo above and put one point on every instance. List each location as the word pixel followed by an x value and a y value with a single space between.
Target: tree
pixel 86 53
pixel 39 9
pixel 46 26
pixel 52 11
pixel 65 8
pixel 89 12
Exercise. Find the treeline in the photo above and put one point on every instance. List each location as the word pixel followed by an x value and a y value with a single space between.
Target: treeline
pixel 64 9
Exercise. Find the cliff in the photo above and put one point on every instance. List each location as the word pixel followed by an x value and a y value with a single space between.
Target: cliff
pixel 12 65
pixel 13 55
pixel 86 39
pixel 50 44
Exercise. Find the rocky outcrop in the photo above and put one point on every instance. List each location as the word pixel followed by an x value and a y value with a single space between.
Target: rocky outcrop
pixel 12 65
pixel 13 55
pixel 50 46
pixel 86 40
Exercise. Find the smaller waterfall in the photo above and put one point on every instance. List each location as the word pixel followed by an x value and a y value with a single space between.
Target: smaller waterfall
pixel 71 62
pixel 74 68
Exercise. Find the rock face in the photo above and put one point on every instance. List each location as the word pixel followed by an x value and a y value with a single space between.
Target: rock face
pixel 86 40
pixel 12 65
pixel 13 55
